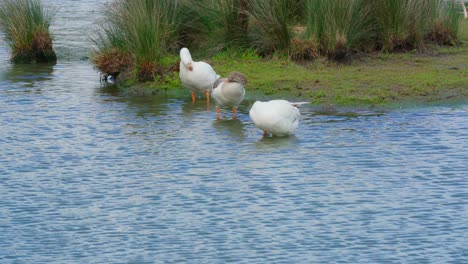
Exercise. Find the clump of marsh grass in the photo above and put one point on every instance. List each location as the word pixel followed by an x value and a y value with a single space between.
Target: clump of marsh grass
pixel 222 24
pixel 341 26
pixel 233 24
pixel 25 24
pixel 138 34
pixel 113 61
pixel 303 50
pixel 401 25
pixel 338 26
pixel 271 22
pixel 406 24
pixel 142 37
pixel 445 26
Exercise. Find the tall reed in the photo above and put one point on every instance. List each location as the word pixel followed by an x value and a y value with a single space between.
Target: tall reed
pixel 379 24
pixel 141 32
pixel 338 26
pixel 402 24
pixel 271 22
pixel 220 24
pixel 445 26
pixel 25 24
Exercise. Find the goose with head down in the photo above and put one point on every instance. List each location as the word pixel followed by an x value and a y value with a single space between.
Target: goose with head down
pixel 198 76
pixel 278 117
pixel 229 92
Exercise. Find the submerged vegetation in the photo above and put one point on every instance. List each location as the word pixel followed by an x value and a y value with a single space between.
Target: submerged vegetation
pixel 25 24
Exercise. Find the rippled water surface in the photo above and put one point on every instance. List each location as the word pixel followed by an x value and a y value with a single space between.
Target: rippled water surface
pixel 88 175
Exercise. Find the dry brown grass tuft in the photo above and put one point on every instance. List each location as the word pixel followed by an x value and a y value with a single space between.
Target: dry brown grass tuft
pixel 113 61
pixel 42 47
pixel 25 24
pixel 303 49
pixel 147 72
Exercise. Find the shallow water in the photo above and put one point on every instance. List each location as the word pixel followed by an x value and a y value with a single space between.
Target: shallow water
pixel 88 175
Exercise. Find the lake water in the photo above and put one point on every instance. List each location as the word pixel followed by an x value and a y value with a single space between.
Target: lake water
pixel 88 175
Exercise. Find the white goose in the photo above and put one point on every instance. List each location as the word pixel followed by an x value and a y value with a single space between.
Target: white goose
pixel 229 92
pixel 278 117
pixel 198 76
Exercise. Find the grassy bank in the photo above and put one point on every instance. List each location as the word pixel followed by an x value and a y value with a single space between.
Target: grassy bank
pixel 137 36
pixel 392 50
pixel 25 24
pixel 437 73
pixel 375 79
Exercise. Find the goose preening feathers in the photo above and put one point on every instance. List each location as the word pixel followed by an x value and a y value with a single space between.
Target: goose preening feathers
pixel 278 117
pixel 229 92
pixel 198 76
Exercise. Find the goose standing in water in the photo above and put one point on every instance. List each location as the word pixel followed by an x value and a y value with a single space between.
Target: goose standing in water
pixel 229 92
pixel 278 117
pixel 198 76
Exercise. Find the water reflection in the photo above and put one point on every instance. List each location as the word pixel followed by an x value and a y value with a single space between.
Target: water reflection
pixel 109 88
pixel 27 74
pixel 232 128
pixel 190 108
pixel 150 106
pixel 274 143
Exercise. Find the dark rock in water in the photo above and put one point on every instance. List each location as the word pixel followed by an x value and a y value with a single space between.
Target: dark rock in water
pixel 84 58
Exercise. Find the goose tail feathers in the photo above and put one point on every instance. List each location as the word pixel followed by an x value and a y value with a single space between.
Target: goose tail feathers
pixel 298 104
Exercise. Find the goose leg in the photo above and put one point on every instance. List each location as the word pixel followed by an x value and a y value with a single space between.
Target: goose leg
pixel 218 113
pixel 193 97
pixel 234 113
pixel 207 93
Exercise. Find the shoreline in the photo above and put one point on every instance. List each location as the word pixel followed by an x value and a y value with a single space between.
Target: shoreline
pixel 440 73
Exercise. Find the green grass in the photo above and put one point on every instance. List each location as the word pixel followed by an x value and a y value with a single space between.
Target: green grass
pixel 439 73
pixel 375 79
pixel 377 76
pixel 25 24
